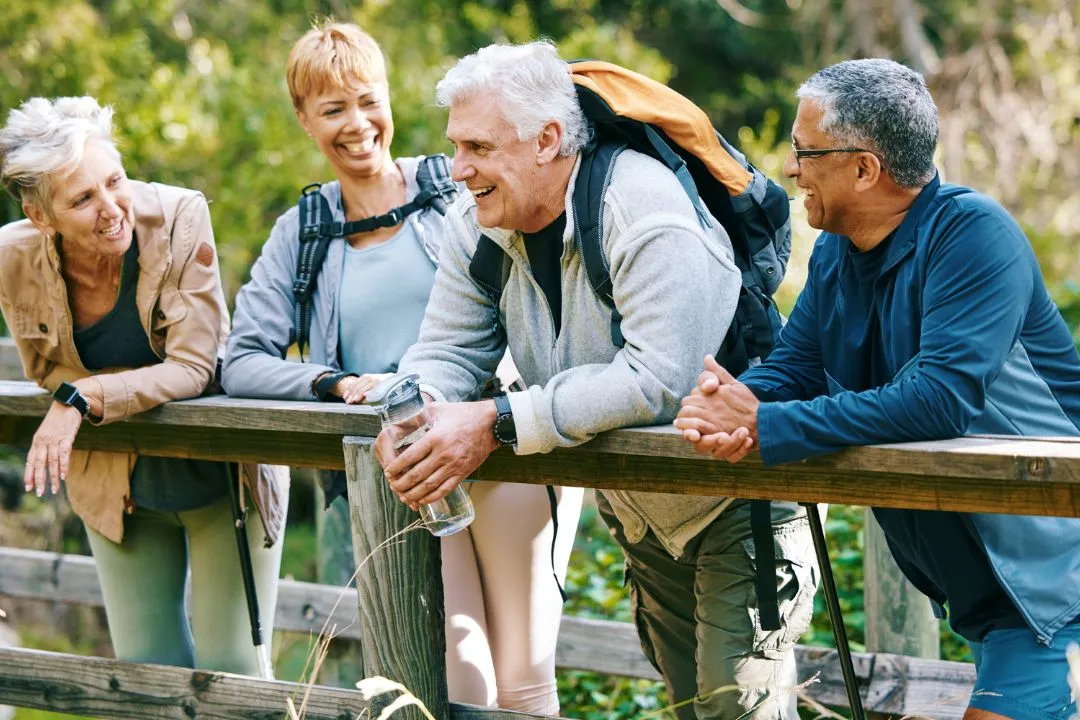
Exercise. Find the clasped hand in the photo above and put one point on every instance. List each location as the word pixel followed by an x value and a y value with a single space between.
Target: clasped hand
pixel 719 418
pixel 459 440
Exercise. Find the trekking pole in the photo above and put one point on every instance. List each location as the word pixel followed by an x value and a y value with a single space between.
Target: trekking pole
pixel 262 656
pixel 832 600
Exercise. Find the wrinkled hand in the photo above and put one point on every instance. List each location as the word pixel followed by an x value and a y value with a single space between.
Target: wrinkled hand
pixel 719 418
pixel 353 389
pixel 460 439
pixel 50 450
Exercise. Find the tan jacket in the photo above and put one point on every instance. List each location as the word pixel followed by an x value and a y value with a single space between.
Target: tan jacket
pixel 183 312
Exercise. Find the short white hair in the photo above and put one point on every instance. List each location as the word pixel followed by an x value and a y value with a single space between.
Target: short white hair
pixel 533 85
pixel 45 139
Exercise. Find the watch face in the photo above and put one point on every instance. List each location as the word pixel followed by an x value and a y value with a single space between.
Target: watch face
pixel 66 393
pixel 505 430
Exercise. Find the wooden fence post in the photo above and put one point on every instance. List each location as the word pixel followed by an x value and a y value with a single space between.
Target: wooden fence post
pixel 399 585
pixel 898 617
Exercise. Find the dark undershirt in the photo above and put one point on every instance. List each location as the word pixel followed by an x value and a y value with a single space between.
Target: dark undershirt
pixel 118 340
pixel 544 249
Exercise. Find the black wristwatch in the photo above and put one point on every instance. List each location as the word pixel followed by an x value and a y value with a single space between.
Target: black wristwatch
pixel 68 394
pixel 504 428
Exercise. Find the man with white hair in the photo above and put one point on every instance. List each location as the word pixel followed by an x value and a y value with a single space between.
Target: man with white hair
pixel 519 134
pixel 924 317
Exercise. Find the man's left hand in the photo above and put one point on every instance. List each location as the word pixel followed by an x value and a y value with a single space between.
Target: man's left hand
pixel 459 441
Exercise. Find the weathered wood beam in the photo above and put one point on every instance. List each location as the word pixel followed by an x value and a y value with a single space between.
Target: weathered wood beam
pixel 102 688
pixel 398 583
pixel 895 684
pixel 10 364
pixel 980 474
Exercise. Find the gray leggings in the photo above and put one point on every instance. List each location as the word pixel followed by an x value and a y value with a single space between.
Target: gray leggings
pixel 144 580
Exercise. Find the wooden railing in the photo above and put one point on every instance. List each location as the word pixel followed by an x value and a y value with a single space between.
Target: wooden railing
pixel 400 593
pixel 895 684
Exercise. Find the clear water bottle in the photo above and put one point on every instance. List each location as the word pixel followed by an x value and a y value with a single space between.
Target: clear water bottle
pixel 400 406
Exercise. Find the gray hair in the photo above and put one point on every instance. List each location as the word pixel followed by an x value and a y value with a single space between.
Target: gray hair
pixel 884 107
pixel 533 84
pixel 44 139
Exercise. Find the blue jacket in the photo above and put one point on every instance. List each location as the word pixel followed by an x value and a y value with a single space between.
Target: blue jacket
pixel 967 340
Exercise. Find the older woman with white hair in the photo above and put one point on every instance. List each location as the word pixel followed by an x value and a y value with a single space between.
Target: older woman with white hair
pixel 111 290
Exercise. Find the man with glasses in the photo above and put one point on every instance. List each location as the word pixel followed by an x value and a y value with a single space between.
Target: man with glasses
pixel 924 316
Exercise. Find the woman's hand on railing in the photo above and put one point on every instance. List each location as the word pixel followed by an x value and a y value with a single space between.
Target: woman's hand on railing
pixel 353 389
pixel 50 451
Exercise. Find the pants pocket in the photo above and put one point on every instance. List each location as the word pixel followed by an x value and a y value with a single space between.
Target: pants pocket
pixel 644 636
pixel 797 579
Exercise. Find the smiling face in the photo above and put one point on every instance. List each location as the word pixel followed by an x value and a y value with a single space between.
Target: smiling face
pixel 508 177
pixel 92 207
pixel 352 126
pixel 828 181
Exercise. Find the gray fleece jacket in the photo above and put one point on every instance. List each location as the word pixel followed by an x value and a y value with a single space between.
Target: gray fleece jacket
pixel 676 286
pixel 263 325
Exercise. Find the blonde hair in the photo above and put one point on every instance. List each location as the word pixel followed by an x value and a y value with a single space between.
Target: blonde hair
pixel 332 55
pixel 45 139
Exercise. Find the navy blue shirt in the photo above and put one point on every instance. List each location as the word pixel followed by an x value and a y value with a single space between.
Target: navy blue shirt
pixel 945 326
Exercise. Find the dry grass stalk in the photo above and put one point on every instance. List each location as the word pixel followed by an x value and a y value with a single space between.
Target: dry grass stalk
pixel 321 648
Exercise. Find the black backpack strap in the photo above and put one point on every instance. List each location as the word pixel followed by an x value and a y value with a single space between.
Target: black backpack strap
pixel 677 165
pixel 436 185
pixel 765 560
pixel 316 231
pixel 593 178
pixel 553 501
pixel 436 190
pixel 488 269
pixel 318 228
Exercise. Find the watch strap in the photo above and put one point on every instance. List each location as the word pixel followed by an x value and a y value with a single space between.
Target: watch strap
pixel 68 394
pixel 324 385
pixel 504 429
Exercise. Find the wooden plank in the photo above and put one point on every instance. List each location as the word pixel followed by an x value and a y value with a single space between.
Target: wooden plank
pixel 997 475
pixel 298 449
pixel 98 687
pixel 10 364
pixel 900 686
pixel 983 490
pixel 103 688
pixel 398 582
pixel 220 411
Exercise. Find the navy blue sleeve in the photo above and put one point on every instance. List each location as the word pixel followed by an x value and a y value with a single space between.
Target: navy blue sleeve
pixel 793 370
pixel 978 286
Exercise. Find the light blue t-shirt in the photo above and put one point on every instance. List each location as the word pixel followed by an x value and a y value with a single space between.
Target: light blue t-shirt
pixel 384 291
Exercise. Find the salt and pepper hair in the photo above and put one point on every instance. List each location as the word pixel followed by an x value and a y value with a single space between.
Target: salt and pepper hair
pixel 532 84
pixel 884 107
pixel 44 140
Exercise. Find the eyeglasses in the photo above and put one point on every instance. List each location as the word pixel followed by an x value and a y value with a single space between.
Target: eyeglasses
pixel 801 154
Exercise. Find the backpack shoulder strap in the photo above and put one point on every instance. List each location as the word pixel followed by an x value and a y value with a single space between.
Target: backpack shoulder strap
pixel 594 176
pixel 436 186
pixel 316 231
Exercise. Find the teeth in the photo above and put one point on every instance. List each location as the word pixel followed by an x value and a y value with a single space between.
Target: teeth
pixel 480 192
pixel 360 147
pixel 113 229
